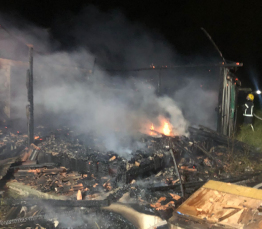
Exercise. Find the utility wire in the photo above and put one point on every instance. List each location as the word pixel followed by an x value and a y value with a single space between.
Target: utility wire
pixel 19 40
pixel 11 35
pixel 233 64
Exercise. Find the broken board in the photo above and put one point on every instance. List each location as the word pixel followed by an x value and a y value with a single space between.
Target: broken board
pixel 221 204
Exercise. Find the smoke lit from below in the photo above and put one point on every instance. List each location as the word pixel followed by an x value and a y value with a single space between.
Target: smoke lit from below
pixel 90 104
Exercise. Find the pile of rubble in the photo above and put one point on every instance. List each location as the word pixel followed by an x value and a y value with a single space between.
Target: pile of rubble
pixel 66 171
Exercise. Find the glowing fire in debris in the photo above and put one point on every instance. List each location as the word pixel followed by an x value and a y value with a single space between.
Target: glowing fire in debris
pixel 160 126
pixel 166 129
pixel 36 137
pixel 79 195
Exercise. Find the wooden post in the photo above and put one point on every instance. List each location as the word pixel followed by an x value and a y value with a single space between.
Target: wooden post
pixel 30 106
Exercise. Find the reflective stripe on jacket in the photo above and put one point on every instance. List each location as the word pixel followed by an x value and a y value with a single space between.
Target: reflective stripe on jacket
pixel 248 109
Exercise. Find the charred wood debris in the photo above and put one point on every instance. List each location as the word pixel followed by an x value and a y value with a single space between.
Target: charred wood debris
pixel 158 178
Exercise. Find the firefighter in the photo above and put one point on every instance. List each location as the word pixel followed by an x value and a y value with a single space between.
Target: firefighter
pixel 248 111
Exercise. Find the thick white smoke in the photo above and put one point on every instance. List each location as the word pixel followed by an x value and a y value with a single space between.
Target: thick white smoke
pixel 92 105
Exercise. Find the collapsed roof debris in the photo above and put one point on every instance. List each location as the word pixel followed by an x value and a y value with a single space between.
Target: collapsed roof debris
pixel 65 172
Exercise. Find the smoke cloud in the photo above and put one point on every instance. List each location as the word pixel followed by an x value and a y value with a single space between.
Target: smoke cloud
pixel 198 103
pixel 96 106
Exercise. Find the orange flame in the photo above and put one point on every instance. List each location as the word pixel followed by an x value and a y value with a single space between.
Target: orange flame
pixel 36 137
pixel 152 128
pixel 163 126
pixel 166 129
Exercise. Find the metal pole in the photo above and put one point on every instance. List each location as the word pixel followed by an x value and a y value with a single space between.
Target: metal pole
pixel 30 106
pixel 210 38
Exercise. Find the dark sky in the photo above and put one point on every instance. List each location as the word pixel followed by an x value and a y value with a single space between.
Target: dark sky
pixel 235 26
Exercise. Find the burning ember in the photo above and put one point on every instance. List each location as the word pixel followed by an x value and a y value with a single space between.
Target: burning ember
pixel 152 128
pixel 79 195
pixel 38 138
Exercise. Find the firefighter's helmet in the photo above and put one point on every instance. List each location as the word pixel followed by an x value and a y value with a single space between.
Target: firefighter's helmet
pixel 250 97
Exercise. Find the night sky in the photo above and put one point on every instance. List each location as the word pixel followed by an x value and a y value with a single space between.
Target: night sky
pixel 235 26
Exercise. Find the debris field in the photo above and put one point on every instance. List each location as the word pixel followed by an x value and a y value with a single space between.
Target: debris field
pixel 64 175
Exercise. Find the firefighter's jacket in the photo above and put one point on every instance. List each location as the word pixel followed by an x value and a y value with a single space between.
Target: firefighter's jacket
pixel 248 108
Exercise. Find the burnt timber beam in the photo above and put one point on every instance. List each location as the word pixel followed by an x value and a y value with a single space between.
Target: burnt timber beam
pixel 57 203
pixel 21 220
pixel 34 166
pixel 30 92
pixel 197 184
